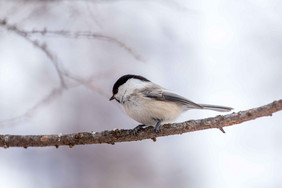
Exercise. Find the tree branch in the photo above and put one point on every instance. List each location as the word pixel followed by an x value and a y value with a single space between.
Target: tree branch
pixel 122 135
pixel 42 47
pixel 66 34
pixel 86 35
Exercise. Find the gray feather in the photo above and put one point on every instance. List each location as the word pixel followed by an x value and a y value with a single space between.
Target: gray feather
pixel 179 99
pixel 216 108
pixel 160 94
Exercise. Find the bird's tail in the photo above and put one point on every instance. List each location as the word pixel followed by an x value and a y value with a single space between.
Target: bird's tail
pixel 216 108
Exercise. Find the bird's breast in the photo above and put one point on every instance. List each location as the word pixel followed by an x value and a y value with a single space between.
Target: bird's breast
pixel 148 111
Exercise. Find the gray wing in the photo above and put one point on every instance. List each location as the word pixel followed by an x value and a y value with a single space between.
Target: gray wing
pixel 163 95
pixel 216 108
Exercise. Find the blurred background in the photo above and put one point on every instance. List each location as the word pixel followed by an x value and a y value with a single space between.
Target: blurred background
pixel 213 52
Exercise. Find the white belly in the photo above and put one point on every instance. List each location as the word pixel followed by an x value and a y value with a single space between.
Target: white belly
pixel 148 111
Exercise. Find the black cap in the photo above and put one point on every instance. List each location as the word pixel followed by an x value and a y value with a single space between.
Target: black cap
pixel 124 79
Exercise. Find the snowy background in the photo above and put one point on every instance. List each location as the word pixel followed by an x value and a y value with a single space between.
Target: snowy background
pixel 214 52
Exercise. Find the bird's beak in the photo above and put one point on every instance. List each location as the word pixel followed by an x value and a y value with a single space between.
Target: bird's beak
pixel 113 97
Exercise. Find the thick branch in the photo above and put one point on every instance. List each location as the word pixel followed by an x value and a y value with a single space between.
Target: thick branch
pixel 122 135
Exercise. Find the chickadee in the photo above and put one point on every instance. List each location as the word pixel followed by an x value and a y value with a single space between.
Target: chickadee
pixel 151 104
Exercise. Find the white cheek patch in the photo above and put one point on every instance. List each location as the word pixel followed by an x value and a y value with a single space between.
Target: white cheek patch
pixel 120 95
pixel 129 87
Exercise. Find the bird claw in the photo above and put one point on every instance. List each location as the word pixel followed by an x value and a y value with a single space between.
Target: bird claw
pixel 157 127
pixel 137 128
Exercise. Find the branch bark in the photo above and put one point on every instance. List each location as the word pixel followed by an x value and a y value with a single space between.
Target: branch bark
pixel 122 135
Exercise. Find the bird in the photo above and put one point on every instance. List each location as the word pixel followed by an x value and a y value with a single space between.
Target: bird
pixel 151 104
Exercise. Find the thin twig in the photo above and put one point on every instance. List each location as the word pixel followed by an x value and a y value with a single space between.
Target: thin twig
pixel 42 47
pixel 55 93
pixel 86 35
pixel 122 135
pixel 62 33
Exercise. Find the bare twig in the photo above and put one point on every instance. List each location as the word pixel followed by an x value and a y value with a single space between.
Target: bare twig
pixel 86 35
pixel 42 47
pixel 67 34
pixel 78 34
pixel 54 93
pixel 117 135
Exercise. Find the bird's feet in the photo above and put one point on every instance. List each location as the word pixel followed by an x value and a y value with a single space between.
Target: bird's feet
pixel 136 129
pixel 157 127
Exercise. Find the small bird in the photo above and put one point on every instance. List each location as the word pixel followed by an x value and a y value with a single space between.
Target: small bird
pixel 151 104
